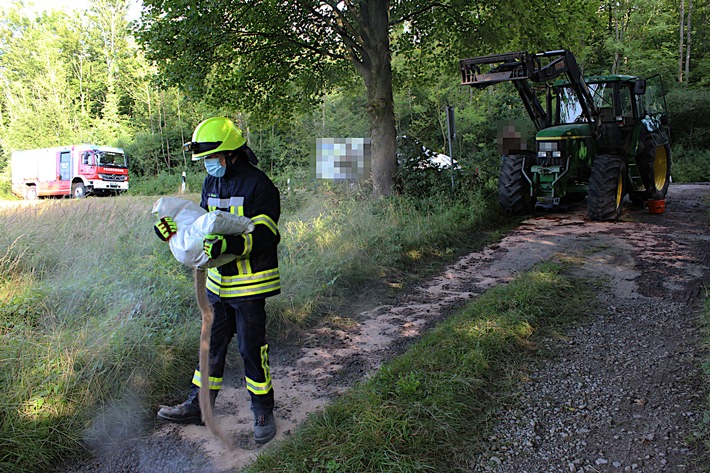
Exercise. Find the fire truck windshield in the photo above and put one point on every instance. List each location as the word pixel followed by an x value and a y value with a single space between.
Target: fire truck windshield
pixel 108 158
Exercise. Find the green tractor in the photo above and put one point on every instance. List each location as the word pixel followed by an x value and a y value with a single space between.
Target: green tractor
pixel 603 137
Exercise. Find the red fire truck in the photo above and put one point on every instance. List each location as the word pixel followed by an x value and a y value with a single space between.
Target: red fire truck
pixel 75 171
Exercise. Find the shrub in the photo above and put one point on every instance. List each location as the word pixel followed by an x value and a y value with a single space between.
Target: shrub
pixel 689 120
pixel 166 183
pixel 690 165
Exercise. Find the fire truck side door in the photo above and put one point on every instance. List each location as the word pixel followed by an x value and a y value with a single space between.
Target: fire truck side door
pixel 65 165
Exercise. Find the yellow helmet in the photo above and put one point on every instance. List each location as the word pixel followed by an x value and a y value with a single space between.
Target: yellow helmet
pixel 214 135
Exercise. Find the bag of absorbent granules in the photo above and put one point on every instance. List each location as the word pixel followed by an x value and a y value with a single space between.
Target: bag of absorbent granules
pixel 193 223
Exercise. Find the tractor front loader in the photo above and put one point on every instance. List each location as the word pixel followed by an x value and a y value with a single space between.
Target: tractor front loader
pixel 603 137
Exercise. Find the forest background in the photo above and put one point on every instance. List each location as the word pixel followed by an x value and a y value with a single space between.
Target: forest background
pixel 79 76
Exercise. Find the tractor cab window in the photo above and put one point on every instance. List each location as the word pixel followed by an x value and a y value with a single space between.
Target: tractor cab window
pixel 627 109
pixel 570 110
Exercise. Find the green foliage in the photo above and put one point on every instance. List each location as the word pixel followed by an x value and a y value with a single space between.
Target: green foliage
pixel 6 184
pixel 166 183
pixel 60 76
pixel 689 118
pixel 421 176
pixel 690 164
pixel 423 412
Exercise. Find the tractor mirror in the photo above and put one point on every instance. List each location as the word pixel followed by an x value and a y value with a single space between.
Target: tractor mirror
pixel 640 87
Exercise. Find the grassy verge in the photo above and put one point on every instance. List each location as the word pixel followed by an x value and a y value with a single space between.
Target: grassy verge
pixel 98 322
pixel 428 410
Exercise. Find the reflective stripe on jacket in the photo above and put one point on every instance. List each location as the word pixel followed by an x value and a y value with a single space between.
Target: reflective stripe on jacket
pixel 247 191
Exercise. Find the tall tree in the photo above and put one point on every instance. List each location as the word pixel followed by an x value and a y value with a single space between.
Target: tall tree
pixel 684 41
pixel 109 30
pixel 681 43
pixel 687 42
pixel 36 90
pixel 62 75
pixel 269 55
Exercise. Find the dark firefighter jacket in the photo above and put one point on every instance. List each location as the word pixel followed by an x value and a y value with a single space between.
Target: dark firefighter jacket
pixel 246 190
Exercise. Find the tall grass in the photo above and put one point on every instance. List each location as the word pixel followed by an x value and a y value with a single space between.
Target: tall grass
pixel 99 323
pixel 91 310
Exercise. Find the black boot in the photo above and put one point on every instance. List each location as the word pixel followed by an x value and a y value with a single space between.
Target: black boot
pixel 189 411
pixel 264 428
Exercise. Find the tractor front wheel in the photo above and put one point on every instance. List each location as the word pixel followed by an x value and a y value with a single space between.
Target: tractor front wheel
pixel 514 193
pixel 606 187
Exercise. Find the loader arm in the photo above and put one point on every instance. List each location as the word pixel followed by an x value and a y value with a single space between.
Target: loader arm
pixel 514 67
pixel 522 68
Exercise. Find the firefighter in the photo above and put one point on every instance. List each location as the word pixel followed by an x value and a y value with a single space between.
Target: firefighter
pixel 236 290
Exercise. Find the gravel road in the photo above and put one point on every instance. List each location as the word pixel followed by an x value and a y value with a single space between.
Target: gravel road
pixel 621 392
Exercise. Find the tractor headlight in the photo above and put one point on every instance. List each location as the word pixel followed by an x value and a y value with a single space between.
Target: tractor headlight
pixel 557 154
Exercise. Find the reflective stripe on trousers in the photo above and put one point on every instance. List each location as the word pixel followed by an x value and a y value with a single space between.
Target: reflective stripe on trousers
pixel 248 320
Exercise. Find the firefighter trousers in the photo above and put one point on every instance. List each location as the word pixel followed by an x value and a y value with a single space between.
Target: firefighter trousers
pixel 246 319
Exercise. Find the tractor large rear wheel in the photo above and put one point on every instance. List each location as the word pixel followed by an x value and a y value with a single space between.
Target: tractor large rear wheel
pixel 655 169
pixel 514 193
pixel 606 187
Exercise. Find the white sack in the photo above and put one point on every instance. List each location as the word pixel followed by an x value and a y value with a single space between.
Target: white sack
pixel 193 223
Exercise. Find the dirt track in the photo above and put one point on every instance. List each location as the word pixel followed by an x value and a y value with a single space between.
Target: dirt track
pixel 656 268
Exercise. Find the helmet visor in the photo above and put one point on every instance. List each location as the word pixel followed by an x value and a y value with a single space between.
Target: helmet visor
pixel 201 147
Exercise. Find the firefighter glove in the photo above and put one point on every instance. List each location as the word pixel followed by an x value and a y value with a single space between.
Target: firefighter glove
pixel 214 245
pixel 165 228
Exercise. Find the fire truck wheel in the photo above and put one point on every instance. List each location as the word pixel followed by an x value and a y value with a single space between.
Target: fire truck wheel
pixel 30 193
pixel 78 191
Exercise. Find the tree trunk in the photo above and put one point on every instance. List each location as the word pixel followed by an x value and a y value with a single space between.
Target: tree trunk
pixel 380 108
pixel 687 43
pixel 376 69
pixel 680 54
pixel 617 37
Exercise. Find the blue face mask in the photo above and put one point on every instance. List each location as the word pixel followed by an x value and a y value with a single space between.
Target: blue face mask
pixel 214 168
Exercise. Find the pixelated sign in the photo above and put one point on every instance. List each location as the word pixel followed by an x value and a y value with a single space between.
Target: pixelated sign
pixel 342 159
pixel 513 135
